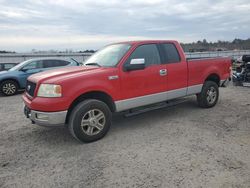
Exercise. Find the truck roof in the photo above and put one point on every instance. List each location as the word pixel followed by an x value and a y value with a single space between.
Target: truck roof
pixel 146 41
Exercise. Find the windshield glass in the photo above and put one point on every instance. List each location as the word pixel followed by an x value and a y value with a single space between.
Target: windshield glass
pixel 108 56
pixel 19 66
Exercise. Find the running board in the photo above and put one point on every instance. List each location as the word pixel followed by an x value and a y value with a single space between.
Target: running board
pixel 157 106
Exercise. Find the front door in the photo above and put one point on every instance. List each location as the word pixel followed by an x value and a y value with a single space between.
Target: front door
pixel 147 86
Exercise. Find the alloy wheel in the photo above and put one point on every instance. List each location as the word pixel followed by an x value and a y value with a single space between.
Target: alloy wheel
pixel 211 95
pixel 9 89
pixel 93 122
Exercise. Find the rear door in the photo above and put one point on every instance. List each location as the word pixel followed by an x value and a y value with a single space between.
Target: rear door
pixel 147 86
pixel 177 71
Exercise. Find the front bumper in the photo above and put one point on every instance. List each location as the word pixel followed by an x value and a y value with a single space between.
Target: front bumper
pixel 224 83
pixel 47 119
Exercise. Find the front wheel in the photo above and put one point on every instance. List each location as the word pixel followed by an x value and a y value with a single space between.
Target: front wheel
pixel 90 120
pixel 9 87
pixel 209 95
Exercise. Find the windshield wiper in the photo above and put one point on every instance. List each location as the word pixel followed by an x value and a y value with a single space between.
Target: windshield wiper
pixel 93 64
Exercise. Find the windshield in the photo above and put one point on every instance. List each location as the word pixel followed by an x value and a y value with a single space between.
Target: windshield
pixel 108 56
pixel 19 66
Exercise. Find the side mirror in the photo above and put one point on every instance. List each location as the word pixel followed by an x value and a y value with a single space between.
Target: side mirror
pixel 135 64
pixel 24 69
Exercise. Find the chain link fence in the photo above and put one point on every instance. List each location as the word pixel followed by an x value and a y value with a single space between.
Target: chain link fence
pixel 19 57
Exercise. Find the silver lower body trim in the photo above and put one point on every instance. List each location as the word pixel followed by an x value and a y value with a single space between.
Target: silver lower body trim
pixel 173 94
pixel 194 89
pixel 155 98
pixel 48 119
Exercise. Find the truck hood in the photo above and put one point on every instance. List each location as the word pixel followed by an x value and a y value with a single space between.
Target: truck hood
pixel 52 76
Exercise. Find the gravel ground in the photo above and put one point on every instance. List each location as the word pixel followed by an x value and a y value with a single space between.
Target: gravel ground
pixel 181 146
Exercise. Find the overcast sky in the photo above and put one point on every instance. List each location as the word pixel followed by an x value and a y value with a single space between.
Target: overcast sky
pixel 90 24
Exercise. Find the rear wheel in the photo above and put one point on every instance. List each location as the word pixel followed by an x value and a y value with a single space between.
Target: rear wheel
pixel 209 95
pixel 9 87
pixel 90 120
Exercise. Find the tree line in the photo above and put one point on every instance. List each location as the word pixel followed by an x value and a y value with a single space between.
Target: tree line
pixel 201 46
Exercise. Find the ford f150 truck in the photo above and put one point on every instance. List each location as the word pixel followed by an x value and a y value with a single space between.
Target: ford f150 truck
pixel 121 77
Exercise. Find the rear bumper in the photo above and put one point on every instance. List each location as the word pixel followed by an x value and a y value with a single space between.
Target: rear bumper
pixel 47 119
pixel 224 83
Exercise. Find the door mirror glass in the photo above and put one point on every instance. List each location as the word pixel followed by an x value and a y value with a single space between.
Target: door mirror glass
pixel 137 61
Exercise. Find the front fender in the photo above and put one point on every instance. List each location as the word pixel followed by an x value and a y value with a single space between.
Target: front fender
pixel 14 78
pixel 91 86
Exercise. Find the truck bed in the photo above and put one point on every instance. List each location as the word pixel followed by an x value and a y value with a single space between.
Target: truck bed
pixel 199 68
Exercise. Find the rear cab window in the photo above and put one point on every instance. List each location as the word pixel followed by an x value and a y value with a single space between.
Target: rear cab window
pixel 170 53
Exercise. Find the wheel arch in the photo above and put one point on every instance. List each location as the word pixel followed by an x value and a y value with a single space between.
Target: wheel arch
pixel 213 77
pixel 98 95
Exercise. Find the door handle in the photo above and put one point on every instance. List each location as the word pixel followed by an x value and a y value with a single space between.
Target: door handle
pixel 163 72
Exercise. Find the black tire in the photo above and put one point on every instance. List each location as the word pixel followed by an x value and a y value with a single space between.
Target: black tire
pixel 9 87
pixel 203 98
pixel 83 110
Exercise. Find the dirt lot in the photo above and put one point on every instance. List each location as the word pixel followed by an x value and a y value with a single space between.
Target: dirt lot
pixel 182 146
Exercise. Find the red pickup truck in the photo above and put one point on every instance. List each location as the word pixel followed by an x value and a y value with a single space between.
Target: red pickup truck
pixel 121 77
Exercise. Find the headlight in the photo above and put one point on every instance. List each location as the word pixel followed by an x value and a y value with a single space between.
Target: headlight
pixel 49 90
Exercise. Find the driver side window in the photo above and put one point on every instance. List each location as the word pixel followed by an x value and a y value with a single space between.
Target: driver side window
pixel 149 52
